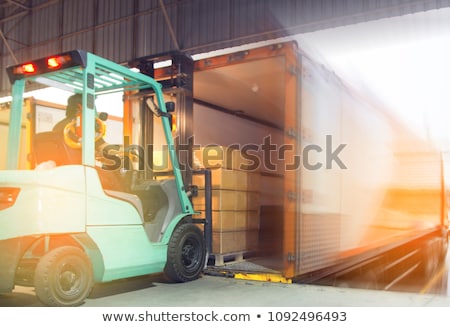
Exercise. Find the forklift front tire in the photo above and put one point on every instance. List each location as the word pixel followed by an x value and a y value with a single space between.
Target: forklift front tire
pixel 63 277
pixel 186 254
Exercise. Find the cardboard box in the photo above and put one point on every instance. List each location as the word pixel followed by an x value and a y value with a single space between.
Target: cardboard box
pixel 229 200
pixel 226 179
pixel 228 221
pixel 236 241
pixel 228 242
pixel 216 156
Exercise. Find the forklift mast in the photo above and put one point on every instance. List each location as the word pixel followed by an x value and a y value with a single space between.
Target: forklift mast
pixel 177 80
pixel 178 83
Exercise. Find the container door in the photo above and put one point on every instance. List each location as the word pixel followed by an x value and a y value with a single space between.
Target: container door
pixel 319 182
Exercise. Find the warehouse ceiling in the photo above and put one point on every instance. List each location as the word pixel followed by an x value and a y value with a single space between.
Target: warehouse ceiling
pixel 7 3
pixel 124 30
pixel 321 9
pixel 10 5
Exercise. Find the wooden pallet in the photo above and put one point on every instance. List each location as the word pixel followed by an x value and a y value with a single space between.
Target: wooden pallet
pixel 226 258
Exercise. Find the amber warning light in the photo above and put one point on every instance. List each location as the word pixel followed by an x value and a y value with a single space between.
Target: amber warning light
pixel 25 69
pixel 58 61
pixel 47 64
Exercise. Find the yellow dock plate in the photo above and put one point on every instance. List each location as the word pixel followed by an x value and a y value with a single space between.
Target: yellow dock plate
pixel 263 277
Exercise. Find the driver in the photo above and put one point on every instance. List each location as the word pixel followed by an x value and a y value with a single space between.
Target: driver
pixel 110 179
pixel 73 108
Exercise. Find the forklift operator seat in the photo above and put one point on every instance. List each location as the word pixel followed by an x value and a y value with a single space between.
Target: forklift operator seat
pixel 50 146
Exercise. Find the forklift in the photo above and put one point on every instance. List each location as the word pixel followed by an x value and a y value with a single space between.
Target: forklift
pixel 63 227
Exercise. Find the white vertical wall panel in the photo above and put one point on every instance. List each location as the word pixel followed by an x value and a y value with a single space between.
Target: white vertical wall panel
pixel 109 10
pixel 152 35
pixel 145 5
pixel 115 42
pixel 78 16
pixel 84 41
pixel 204 22
pixel 46 24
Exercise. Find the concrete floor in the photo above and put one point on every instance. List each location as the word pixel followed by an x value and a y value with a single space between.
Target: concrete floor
pixel 212 291
pixel 216 291
pixel 219 291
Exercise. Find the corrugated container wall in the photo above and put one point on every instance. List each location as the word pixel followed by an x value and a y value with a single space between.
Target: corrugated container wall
pixel 123 30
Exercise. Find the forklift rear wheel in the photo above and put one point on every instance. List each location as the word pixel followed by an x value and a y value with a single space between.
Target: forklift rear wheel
pixel 186 254
pixel 63 277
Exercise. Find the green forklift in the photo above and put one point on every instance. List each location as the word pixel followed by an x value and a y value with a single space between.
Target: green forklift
pixel 63 228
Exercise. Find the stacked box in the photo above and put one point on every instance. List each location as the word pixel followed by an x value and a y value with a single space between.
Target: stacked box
pixel 229 221
pixel 229 200
pixel 226 179
pixel 215 156
pixel 235 199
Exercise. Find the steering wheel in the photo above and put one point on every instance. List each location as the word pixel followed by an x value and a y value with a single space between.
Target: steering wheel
pixel 73 141
pixel 113 173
